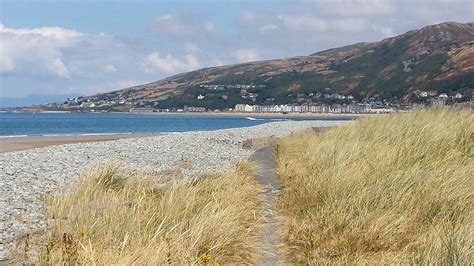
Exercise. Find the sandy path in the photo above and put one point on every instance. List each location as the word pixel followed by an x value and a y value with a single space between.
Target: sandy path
pixel 265 173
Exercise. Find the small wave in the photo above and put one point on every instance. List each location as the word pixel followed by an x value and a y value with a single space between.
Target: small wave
pixel 266 119
pixel 14 136
pixel 105 134
pixel 253 118
pixel 66 135
pixel 56 135
pixel 55 112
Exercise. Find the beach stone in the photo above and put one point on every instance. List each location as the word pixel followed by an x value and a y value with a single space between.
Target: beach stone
pixel 27 176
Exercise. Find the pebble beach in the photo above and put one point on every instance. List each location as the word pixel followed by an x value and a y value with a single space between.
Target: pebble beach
pixel 27 176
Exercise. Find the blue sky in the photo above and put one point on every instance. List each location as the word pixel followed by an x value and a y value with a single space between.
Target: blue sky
pixel 86 47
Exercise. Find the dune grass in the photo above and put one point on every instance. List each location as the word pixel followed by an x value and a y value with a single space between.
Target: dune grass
pixel 388 189
pixel 117 216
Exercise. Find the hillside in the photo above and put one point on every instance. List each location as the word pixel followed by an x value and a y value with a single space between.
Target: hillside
pixel 435 58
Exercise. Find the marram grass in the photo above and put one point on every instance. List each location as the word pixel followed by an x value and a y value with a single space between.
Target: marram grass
pixel 116 216
pixel 388 189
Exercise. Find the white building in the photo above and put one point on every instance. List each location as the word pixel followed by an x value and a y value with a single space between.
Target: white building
pixel 244 108
pixel 276 108
pixel 286 108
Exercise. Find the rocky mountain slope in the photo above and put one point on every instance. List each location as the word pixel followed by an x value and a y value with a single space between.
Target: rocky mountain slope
pixel 435 58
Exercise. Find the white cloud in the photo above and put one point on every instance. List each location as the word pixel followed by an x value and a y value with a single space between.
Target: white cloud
pixel 322 24
pixel 246 55
pixel 55 60
pixel 191 47
pixel 110 68
pixel 52 59
pixel 155 63
pixel 7 63
pixel 268 28
pixel 385 31
pixel 57 33
pixel 209 26
pixel 300 27
pixel 36 50
pixel 217 62
pixel 57 66
pixel 304 23
pixel 182 27
pixel 356 7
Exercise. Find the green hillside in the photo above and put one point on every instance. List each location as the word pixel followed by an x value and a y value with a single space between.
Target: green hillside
pixel 437 58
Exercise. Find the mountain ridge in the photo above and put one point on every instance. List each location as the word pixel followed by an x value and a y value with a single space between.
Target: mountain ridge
pixel 436 58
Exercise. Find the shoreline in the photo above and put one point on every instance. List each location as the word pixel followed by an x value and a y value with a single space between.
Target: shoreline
pixel 13 143
pixel 21 143
pixel 28 176
pixel 243 114
pixel 246 114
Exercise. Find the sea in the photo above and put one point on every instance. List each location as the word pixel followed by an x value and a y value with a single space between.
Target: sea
pixel 21 124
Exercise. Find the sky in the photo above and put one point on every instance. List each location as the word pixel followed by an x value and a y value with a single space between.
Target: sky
pixel 87 47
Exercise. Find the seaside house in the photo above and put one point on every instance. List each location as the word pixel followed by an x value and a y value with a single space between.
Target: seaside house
pixel 194 109
pixel 239 108
pixel 276 109
pixel 142 110
pixel 443 96
pixel 286 108
pixel 258 108
pixel 244 108
pixel 296 108
pixel 305 108
pixel 380 110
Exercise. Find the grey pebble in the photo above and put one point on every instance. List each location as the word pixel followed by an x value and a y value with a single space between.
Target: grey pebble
pixel 27 176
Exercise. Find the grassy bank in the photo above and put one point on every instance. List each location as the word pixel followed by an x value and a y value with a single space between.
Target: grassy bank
pixel 116 216
pixel 391 189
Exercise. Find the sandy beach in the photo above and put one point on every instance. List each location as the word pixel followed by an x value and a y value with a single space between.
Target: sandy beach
pixel 26 143
pixel 28 175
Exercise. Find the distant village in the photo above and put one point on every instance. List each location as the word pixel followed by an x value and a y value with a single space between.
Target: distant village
pixel 308 103
pixel 370 106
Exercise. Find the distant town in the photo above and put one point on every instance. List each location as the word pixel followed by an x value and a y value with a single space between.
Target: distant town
pixel 331 103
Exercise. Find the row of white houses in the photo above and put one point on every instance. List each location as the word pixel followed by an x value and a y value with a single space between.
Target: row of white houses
pixel 309 108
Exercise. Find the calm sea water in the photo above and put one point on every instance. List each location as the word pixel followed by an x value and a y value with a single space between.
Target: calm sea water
pixel 29 124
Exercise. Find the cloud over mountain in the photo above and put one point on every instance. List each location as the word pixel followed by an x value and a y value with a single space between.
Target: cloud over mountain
pixel 50 53
pixel 155 62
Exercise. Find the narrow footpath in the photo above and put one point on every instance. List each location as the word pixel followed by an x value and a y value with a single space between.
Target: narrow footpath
pixel 265 173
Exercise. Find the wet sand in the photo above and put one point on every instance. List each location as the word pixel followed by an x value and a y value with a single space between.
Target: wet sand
pixel 26 143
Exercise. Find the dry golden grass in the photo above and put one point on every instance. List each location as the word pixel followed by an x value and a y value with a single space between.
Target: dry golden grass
pixel 389 189
pixel 116 216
